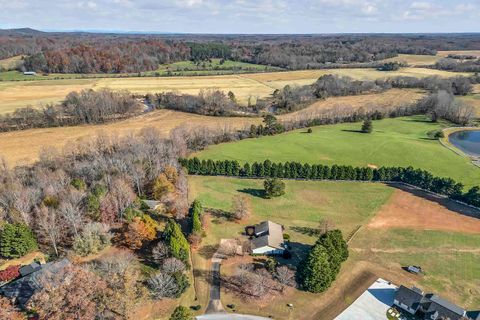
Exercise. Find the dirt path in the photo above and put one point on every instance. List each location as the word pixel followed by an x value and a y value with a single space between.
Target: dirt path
pixel 416 209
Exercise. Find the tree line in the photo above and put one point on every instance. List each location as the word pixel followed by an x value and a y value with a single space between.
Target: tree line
pixel 296 170
pixel 84 107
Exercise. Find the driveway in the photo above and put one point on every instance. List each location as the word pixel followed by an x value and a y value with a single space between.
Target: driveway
pixel 214 304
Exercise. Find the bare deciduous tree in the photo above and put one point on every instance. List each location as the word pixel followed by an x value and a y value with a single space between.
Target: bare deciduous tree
pixel 241 207
pixel 163 285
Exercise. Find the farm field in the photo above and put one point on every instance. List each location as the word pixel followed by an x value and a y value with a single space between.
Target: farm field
pixel 347 205
pixel 464 52
pixel 394 142
pixel 23 146
pixel 9 63
pixel 16 94
pixel 415 59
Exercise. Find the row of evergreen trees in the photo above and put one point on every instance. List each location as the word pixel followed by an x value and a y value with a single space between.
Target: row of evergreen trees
pixel 295 170
pixel 323 262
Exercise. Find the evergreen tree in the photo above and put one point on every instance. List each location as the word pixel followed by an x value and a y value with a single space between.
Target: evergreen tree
pixel 16 240
pixel 181 313
pixel 367 126
pixel 178 245
pixel 196 211
pixel 274 188
pixel 316 274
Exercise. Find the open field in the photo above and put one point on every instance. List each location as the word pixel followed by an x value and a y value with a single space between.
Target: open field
pixel 214 65
pixel 394 142
pixel 389 99
pixel 9 63
pixel 15 94
pixel 473 99
pixel 375 252
pixel 461 52
pixel 405 210
pixel 24 145
pixel 415 59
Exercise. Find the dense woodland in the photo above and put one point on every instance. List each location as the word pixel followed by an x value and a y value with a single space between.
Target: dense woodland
pixel 109 53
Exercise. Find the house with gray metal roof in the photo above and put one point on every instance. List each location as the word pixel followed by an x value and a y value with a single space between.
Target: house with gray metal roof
pixel 268 239
pixel 427 306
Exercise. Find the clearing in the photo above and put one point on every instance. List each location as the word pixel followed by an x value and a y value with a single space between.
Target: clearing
pixel 405 210
pixel 394 142
pixel 450 259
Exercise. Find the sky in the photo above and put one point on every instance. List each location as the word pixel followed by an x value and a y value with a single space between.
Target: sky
pixel 244 16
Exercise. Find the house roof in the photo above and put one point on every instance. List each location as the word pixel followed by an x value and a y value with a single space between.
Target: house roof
pixel 273 237
pixel 443 307
pixel 24 288
pixel 28 269
pixel 152 204
pixel 411 297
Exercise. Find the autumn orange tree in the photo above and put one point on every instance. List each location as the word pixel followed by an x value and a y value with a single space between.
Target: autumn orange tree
pixel 72 293
pixel 8 311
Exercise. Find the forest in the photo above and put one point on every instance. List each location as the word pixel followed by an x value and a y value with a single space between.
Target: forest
pixel 118 53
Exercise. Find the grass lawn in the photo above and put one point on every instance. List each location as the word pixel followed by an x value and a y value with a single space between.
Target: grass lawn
pixel 451 261
pixel 215 65
pixel 347 205
pixel 394 142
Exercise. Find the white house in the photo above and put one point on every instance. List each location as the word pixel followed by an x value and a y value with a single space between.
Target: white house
pixel 268 239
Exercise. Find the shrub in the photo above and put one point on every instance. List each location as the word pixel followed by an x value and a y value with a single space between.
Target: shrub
pixel 94 237
pixel 16 240
pixel 10 273
pixel 196 308
pixel 78 184
pixel 309 130
pixel 286 237
pixel 274 188
pixel 181 313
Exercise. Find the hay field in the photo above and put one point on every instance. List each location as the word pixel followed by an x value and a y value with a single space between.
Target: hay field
pixel 473 99
pixel 415 59
pixel 19 147
pixel 462 52
pixel 16 94
pixel 9 63
pixel 390 98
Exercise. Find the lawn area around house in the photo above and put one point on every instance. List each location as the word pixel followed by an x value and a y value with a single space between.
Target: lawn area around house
pixel 394 142
pixel 450 258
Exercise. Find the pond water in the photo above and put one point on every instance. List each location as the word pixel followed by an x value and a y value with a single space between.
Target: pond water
pixel 467 141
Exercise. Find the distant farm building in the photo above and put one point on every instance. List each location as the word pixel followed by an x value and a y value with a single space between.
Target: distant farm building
pixel 267 238
pixel 29 73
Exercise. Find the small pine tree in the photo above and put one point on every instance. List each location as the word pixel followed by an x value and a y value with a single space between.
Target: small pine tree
pixel 274 188
pixel 16 240
pixel 181 313
pixel 367 126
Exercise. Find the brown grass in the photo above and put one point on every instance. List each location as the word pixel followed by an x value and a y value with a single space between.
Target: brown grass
pixel 24 146
pixel 10 63
pixel 390 98
pixel 405 210
pixel 464 52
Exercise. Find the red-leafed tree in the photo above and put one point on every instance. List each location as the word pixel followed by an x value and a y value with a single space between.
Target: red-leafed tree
pixel 10 273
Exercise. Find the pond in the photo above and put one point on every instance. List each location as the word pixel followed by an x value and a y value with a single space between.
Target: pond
pixel 468 141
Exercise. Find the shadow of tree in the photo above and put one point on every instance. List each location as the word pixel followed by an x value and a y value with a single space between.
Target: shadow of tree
pixel 207 251
pixel 220 214
pixel 354 131
pixel 260 193
pixel 312 232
